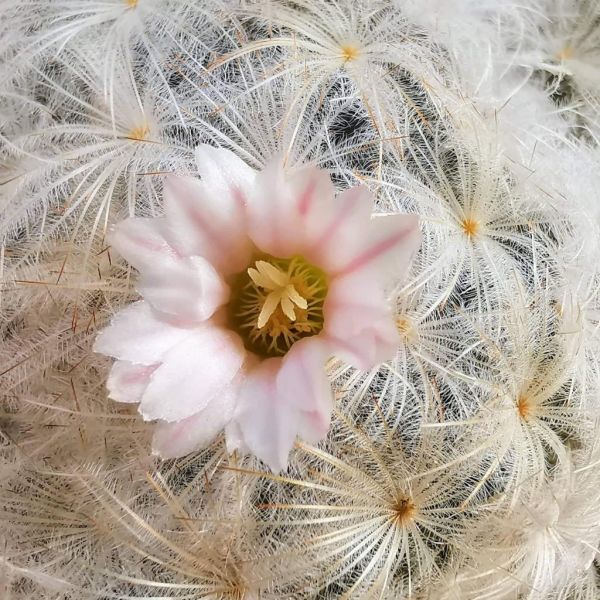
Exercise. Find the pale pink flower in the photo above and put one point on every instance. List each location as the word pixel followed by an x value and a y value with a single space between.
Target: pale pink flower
pixel 250 282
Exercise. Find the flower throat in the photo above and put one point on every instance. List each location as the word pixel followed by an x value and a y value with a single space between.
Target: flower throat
pixel 276 302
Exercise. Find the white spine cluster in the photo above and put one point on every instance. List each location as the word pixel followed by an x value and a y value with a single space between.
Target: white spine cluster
pixel 466 468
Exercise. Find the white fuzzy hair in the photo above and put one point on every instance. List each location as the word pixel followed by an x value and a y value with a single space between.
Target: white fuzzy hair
pixel 465 468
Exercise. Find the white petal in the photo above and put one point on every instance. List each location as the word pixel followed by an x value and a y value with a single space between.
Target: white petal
pixel 221 170
pixel 192 374
pixel 267 425
pixel 207 217
pixel 360 326
pixel 126 382
pixel 303 384
pixel 136 334
pixel 313 426
pixel 141 242
pixel 234 439
pixel 187 288
pixel 172 440
pixel 372 346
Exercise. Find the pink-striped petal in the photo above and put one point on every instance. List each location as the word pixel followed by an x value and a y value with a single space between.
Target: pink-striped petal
pixel 286 210
pixel 193 374
pixel 390 242
pixel 126 381
pixel 207 217
pixel 172 440
pixel 222 171
pixel 341 228
pixel 360 327
pixel 137 335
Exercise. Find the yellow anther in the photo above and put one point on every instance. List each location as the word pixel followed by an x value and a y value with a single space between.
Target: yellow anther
pixel 281 292
pixel 276 302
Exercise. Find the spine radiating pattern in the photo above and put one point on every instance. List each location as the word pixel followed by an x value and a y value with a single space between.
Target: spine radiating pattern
pixel 466 467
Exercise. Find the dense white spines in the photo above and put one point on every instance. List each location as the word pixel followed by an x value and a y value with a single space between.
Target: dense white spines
pixel 465 468
pixel 368 518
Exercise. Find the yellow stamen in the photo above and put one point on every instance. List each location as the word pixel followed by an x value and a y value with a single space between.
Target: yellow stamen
pixel 267 276
pixel 276 302
pixel 132 3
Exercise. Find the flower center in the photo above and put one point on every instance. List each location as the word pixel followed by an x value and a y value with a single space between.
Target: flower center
pixel 276 302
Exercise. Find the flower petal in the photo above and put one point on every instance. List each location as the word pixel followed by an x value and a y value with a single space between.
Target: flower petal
pixel 285 210
pixel 313 425
pixel 266 424
pixel 187 288
pixel 172 440
pixel 300 214
pixel 141 242
pixel 234 439
pixel 126 381
pixel 341 228
pixel 360 327
pixel 303 384
pixel 391 241
pixel 375 344
pixel 207 217
pixel 136 334
pixel 193 374
pixel 222 171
